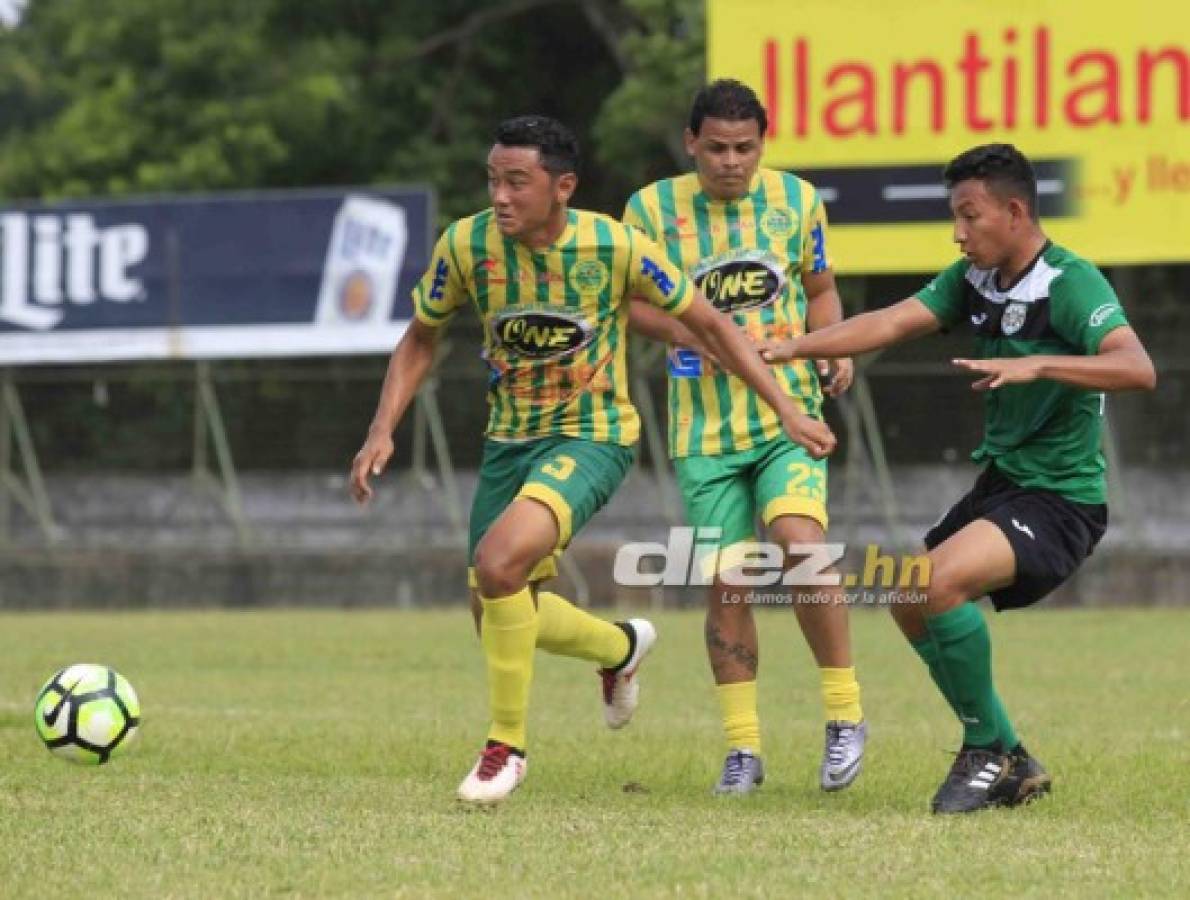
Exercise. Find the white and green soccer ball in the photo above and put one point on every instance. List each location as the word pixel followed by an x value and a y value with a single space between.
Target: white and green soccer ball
pixel 87 713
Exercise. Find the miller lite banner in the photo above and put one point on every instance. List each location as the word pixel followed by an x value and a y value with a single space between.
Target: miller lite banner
pixel 207 277
pixel 869 99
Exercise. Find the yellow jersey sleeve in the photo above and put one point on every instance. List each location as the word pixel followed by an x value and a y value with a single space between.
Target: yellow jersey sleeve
pixel 441 291
pixel 815 257
pixel 637 215
pixel 653 278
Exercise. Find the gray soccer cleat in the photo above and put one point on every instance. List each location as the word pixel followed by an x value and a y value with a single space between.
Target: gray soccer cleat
pixel 843 755
pixel 743 772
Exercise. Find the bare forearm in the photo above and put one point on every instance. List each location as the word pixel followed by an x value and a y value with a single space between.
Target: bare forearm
pixel 407 369
pixel 656 324
pixel 859 334
pixel 738 355
pixel 823 310
pixel 1121 370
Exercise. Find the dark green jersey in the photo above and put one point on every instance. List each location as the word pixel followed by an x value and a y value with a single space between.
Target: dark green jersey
pixel 1042 434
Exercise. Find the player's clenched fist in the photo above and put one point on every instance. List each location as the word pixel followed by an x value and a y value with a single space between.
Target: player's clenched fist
pixel 373 456
pixel 810 433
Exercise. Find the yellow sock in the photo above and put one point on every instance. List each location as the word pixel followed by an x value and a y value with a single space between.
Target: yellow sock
pixel 566 630
pixel 741 724
pixel 508 634
pixel 840 695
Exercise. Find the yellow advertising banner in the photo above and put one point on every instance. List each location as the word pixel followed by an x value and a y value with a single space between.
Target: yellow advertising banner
pixel 869 99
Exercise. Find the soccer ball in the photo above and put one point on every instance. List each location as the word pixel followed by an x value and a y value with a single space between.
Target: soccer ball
pixel 86 713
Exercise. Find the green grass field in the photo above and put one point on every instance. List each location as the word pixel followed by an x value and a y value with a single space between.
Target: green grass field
pixel 316 754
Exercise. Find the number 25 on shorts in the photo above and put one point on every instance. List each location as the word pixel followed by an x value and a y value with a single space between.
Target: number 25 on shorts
pixel 560 467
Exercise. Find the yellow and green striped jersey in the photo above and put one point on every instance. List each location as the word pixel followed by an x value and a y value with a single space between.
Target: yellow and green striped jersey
pixel 555 320
pixel 747 256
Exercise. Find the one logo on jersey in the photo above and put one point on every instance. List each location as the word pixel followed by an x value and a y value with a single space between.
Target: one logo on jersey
pixel 438 285
pixel 589 276
pixel 1100 315
pixel 356 295
pixel 741 280
pixel 1014 318
pixel 778 223
pixel 657 275
pixel 539 334
pixel 1024 529
pixel 978 319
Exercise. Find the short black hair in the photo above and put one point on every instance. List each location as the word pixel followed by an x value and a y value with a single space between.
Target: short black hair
pixel 1002 167
pixel 727 99
pixel 556 143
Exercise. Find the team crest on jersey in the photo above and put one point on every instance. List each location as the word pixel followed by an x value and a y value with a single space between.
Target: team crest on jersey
pixel 740 280
pixel 589 276
pixel 1014 318
pixel 541 333
pixel 778 223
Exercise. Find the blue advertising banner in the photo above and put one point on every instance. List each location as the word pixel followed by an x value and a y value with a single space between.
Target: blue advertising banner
pixel 278 273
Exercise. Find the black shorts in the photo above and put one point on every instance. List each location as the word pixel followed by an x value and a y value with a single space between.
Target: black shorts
pixel 1050 535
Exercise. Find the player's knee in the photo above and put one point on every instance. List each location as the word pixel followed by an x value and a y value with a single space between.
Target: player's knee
pixel 499 569
pixel 947 588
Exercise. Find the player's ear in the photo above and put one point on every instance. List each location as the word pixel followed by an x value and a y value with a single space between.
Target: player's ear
pixel 564 186
pixel 689 137
pixel 1019 210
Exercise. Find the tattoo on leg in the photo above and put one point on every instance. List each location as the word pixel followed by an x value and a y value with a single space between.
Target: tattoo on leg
pixel 735 652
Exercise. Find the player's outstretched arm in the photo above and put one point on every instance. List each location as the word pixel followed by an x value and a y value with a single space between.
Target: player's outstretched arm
pixel 408 366
pixel 738 355
pixel 868 331
pixel 1122 364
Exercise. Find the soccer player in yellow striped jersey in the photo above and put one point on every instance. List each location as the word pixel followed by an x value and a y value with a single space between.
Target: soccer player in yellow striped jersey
pixel 552 287
pixel 755 241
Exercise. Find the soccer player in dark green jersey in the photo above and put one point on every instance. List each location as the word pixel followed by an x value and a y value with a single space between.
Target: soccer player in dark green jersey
pixel 1050 339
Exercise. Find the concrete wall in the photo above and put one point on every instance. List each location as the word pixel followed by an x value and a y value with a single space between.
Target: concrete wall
pixel 152 541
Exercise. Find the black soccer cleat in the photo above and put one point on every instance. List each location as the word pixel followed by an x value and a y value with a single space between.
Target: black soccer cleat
pixel 1027 780
pixel 974 781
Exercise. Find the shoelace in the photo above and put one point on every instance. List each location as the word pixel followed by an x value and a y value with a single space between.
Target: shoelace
pixel 492 761
pixel 733 768
pixel 840 737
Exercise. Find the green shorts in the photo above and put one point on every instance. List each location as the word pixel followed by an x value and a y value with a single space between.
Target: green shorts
pixel 571 476
pixel 727 491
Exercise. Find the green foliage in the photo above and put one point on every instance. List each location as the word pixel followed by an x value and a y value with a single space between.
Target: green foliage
pixel 117 97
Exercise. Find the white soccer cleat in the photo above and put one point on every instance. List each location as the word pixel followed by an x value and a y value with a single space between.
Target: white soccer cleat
pixel 497 773
pixel 621 689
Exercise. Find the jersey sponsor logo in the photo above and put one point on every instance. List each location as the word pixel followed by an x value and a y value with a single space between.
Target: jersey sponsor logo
pixel 778 223
pixel 683 362
pixel 1014 318
pixel 589 276
pixel 1100 315
pixel 739 281
pixel 657 275
pixel 438 285
pixel 538 334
